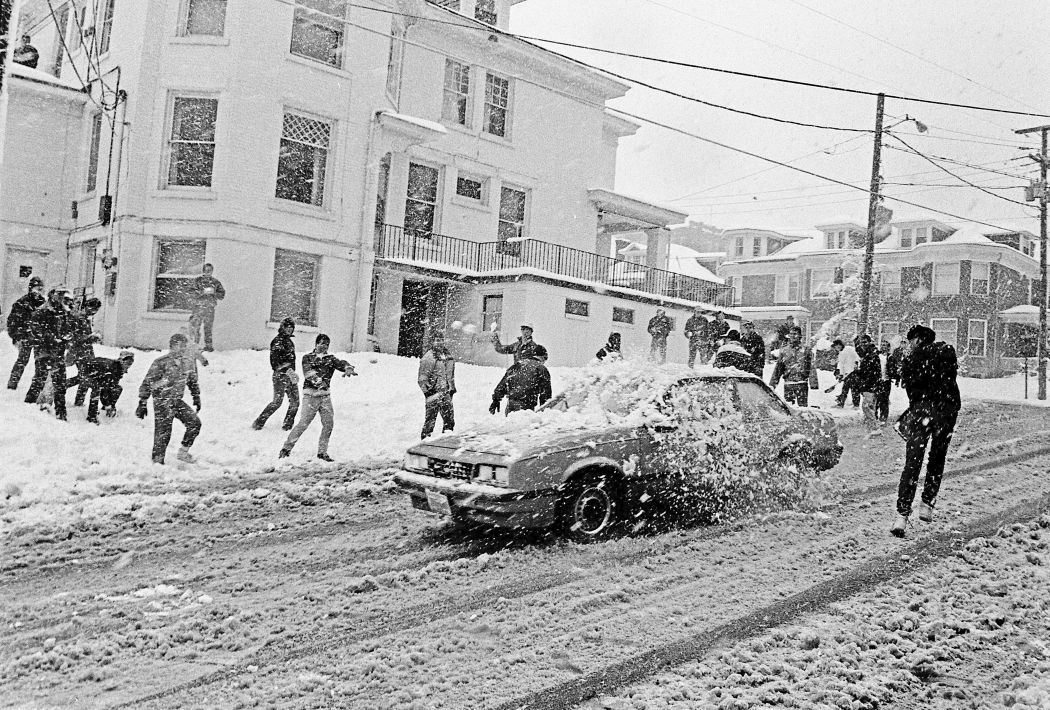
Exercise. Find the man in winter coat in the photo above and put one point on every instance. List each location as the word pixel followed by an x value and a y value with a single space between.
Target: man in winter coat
pixel 697 331
pixel 611 349
pixel 318 368
pixel 867 379
pixel 783 330
pixel 733 354
pixel 285 380
pixel 165 381
pixel 437 379
pixel 51 331
pixel 102 376
pixel 718 330
pixel 82 346
pixel 659 328
pixel 755 346
pixel 526 384
pixel 795 366
pixel 208 291
pixel 523 347
pixel 928 374
pixel 845 368
pixel 18 328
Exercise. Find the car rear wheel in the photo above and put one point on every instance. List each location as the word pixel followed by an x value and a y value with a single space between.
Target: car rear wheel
pixel 591 508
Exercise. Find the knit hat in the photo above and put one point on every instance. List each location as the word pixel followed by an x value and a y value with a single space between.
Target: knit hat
pixel 126 355
pixel 288 321
pixel 35 281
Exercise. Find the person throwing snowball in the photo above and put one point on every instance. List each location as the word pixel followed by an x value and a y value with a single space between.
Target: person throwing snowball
pixel 318 368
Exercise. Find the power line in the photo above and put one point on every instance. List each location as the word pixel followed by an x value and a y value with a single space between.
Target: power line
pixel 964 164
pixel 61 38
pixel 961 133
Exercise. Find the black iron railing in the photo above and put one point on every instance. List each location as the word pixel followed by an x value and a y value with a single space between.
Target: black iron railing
pixel 393 242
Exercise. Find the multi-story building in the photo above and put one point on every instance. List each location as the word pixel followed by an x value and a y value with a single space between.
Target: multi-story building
pixel 974 289
pixel 373 172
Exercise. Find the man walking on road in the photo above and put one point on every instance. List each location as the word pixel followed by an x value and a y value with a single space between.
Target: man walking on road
pixel 208 291
pixel 437 379
pixel 285 380
pixel 318 368
pixel 18 327
pixel 659 328
pixel 928 374
pixel 165 381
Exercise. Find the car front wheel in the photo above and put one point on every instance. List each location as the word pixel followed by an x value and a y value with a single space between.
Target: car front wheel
pixel 591 508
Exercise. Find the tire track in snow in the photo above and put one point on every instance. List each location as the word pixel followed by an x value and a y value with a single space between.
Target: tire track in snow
pixel 911 558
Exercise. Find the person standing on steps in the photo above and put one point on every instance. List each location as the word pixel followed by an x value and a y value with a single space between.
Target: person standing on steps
pixel 660 326
pixel 208 291
pixel 18 327
pixel 51 331
pixel 929 375
pixel 437 379
pixel 696 331
pixel 285 380
pixel 165 381
pixel 318 368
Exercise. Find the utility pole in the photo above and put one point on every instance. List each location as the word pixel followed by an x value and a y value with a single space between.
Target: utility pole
pixel 873 204
pixel 1040 351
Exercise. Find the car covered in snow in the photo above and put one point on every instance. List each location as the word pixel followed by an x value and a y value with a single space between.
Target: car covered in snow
pixel 620 440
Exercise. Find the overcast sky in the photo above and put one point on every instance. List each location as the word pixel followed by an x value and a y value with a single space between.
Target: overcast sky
pixel 968 51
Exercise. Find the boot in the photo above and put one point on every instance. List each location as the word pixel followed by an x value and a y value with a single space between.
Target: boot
pixel 283 453
pixel 185 456
pixel 899 524
pixel 325 457
pixel 926 512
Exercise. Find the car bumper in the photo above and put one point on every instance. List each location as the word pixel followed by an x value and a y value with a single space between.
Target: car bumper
pixel 475 502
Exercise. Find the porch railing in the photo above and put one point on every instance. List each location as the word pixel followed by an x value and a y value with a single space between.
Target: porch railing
pixel 393 242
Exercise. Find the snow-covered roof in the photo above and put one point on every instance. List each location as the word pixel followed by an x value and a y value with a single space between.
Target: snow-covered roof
pixel 683 260
pixel 968 235
pixel 42 77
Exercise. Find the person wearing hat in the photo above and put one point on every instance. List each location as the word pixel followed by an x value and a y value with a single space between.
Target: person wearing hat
pixel 697 331
pixel 755 346
pixel 82 346
pixel 437 379
pixel 18 328
pixel 523 347
pixel 660 327
pixel 928 375
pixel 318 368
pixel 101 376
pixel 166 380
pixel 51 332
pixel 285 380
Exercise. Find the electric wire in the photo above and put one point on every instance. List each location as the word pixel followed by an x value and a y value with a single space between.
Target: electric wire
pixel 963 163
pixel 65 48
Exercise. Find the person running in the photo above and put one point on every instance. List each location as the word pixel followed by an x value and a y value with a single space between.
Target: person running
pixel 51 331
pixel 318 368
pixel 795 366
pixel 697 331
pixel 18 328
pixel 208 291
pixel 929 375
pixel 284 378
pixel 755 346
pixel 660 327
pixel 101 376
pixel 526 384
pixel 165 381
pixel 437 379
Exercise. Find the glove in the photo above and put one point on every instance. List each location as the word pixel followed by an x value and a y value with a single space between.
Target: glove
pixel 111 412
pixel 197 402
pixel 494 408
pixel 140 411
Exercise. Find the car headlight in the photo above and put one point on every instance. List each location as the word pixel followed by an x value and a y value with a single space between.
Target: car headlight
pixel 493 474
pixel 416 461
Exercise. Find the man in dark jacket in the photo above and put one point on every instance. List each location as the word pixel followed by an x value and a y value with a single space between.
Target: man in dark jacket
pixel 867 378
pixel 102 376
pixel 18 328
pixel 51 331
pixel 611 349
pixel 437 379
pixel 208 291
pixel 660 327
pixel 167 379
pixel 82 346
pixel 928 374
pixel 318 368
pixel 795 366
pixel 285 381
pixel 732 353
pixel 755 346
pixel 697 331
pixel 718 330
pixel 523 347
pixel 526 384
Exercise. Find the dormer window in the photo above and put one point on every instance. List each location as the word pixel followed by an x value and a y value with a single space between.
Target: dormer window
pixel 905 239
pixel 920 236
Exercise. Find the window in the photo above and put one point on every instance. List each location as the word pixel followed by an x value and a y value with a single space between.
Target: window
pixel 395 61
pixel 178 265
pixel 511 220
pixel 787 288
pixel 472 188
pixel 756 246
pixel 623 315
pixel 738 246
pixel 485 11
pixel 756 403
pixel 491 312
pixel 105 27
pixel 87 266
pixel 577 308
pixel 920 235
pixel 820 281
pixel 191 147
pixel 945 279
pixel 204 17
pixel 979 277
pixel 317 30
pixel 978 337
pixel 497 104
pixel 421 200
pixel 905 239
pixel 888 330
pixel 455 104
pixel 96 137
pixel 295 277
pixel 303 162
pixel 738 289
pixel 890 283
pixel 946 329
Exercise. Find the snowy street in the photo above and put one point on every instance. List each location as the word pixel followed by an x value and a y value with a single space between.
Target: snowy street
pixel 315 585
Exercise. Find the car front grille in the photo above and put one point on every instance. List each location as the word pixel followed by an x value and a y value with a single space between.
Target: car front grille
pixel 450 469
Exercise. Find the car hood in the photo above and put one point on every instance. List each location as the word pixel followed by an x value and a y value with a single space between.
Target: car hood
pixel 491 446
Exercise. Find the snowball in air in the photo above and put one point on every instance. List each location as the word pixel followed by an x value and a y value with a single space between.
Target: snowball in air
pixel 470 329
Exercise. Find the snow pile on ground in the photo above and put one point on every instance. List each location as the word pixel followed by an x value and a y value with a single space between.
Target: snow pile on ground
pixel 902 639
